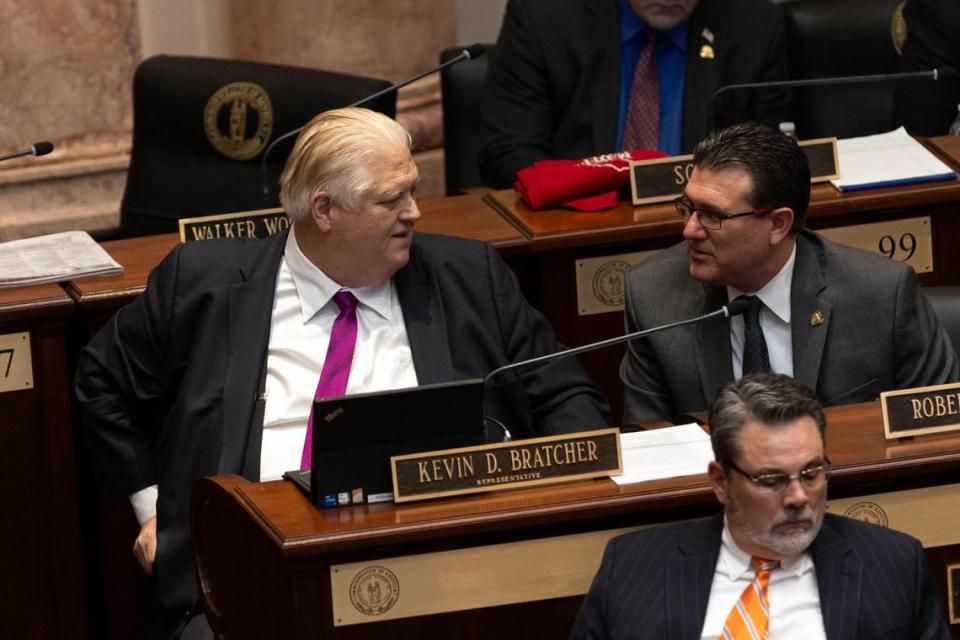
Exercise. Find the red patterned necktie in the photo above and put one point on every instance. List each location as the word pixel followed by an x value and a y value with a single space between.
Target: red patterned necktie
pixel 336 366
pixel 642 129
pixel 750 617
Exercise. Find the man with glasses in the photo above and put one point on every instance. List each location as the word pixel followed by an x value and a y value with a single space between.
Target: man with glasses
pixel 847 323
pixel 773 564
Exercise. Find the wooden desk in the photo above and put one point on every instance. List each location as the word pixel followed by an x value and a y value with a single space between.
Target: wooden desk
pixel 522 559
pixel 41 571
pixel 558 239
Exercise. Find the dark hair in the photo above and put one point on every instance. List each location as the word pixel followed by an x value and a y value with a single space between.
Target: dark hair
pixel 774 161
pixel 771 399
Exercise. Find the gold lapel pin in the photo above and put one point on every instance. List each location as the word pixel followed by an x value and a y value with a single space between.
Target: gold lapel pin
pixel 816 319
pixel 706 52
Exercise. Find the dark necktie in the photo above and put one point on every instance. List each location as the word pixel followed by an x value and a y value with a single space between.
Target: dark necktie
pixel 336 366
pixel 755 357
pixel 642 129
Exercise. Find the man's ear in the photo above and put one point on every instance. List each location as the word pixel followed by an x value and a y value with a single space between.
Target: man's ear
pixel 718 481
pixel 781 222
pixel 321 211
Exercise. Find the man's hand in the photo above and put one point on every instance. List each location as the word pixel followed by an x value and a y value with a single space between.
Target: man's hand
pixel 145 547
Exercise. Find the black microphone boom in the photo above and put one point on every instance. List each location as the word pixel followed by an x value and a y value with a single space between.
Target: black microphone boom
pixel 934 74
pixel 731 309
pixel 36 149
pixel 468 53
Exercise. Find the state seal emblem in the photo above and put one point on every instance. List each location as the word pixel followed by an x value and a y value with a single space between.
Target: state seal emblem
pixel 868 512
pixel 608 282
pixel 374 590
pixel 238 120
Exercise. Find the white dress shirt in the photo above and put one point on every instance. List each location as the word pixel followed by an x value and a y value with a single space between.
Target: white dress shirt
pixel 300 326
pixel 774 320
pixel 793 595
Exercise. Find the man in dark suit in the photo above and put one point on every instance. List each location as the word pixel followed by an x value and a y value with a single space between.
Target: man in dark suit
pixel 928 108
pixel 774 561
pixel 214 368
pixel 561 76
pixel 847 323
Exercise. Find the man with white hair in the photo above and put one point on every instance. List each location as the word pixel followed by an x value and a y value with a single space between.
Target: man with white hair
pixel 215 367
pixel 773 564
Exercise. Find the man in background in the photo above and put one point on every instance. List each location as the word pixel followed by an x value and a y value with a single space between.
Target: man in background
pixel 576 78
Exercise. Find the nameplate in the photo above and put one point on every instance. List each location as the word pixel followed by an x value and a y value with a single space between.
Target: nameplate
pixel 506 465
pixel 261 223
pixel 16 363
pixel 664 179
pixel 922 410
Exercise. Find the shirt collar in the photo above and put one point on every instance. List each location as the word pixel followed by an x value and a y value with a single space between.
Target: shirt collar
pixel 775 295
pixel 735 562
pixel 316 289
pixel 631 26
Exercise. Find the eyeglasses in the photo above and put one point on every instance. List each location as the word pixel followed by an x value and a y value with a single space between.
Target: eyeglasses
pixel 710 218
pixel 777 481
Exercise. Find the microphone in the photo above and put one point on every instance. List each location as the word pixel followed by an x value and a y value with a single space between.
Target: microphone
pixel 468 53
pixel 944 73
pixel 36 149
pixel 733 308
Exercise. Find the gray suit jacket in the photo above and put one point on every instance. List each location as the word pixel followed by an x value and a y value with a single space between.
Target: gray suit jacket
pixel 873 583
pixel 878 331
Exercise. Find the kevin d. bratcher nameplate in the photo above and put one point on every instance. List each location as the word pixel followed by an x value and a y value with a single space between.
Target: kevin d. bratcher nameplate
pixel 507 465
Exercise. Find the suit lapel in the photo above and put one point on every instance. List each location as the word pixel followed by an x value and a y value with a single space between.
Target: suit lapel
pixel 713 356
pixel 689 579
pixel 424 318
pixel 604 51
pixel 809 316
pixel 251 302
pixel 839 578
pixel 703 75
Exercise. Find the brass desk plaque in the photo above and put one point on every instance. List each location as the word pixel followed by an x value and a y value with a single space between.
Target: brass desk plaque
pixel 261 223
pixel 664 179
pixel 507 465
pixel 922 410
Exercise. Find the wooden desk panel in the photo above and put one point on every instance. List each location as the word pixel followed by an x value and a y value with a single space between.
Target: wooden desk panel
pixel 41 571
pixel 288 541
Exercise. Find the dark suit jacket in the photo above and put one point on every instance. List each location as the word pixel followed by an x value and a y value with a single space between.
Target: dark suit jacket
pixel 926 107
pixel 655 583
pixel 169 386
pixel 553 84
pixel 877 333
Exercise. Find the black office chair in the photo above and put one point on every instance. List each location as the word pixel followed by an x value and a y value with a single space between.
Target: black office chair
pixel 830 38
pixel 462 89
pixel 200 126
pixel 946 304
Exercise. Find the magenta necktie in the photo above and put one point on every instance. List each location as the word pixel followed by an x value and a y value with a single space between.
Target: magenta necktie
pixel 642 129
pixel 336 366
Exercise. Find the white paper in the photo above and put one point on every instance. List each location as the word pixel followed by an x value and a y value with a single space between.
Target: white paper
pixel 886 158
pixel 683 450
pixel 55 257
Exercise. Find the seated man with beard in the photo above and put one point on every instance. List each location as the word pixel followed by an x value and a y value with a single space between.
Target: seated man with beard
pixel 773 564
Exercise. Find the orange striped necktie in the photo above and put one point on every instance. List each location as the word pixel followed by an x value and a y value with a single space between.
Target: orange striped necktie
pixel 750 617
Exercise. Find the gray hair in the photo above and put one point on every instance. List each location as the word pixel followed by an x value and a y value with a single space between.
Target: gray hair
pixel 773 400
pixel 329 155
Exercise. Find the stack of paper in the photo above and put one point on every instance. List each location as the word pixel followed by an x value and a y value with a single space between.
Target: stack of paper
pixel 887 160
pixel 53 258
pixel 664 453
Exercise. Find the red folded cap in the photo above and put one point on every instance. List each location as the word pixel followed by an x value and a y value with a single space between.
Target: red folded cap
pixel 590 184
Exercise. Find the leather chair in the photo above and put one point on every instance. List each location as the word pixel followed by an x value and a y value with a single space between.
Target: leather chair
pixel 946 304
pixel 200 126
pixel 462 90
pixel 830 38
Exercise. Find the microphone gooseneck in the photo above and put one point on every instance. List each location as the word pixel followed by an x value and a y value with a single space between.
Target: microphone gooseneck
pixel 468 53
pixel 36 149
